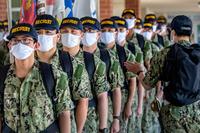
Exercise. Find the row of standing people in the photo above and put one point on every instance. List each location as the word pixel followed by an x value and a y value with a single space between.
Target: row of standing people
pixel 93 90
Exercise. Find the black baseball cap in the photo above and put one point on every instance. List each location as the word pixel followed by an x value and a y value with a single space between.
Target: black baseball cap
pixel 162 20
pixel 120 21
pixel 148 25
pixel 90 22
pixel 150 18
pixel 182 25
pixel 138 23
pixel 46 22
pixel 72 22
pixel 128 11
pixel 23 29
pixel 108 23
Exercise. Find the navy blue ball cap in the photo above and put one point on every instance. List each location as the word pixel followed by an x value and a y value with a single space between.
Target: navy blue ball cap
pixel 89 22
pixel 46 22
pixel 108 23
pixel 182 25
pixel 23 29
pixel 162 20
pixel 128 11
pixel 120 21
pixel 72 22
pixel 148 25
pixel 150 18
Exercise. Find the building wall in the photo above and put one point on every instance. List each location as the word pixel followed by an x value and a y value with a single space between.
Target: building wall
pixel 118 7
pixel 134 4
pixel 3 10
pixel 110 8
pixel 106 9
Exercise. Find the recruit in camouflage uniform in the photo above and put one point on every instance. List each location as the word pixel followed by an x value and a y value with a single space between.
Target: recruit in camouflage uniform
pixel 81 88
pixel 128 91
pixel 135 27
pixel 150 121
pixel 116 77
pixel 79 84
pixel 97 115
pixel 25 104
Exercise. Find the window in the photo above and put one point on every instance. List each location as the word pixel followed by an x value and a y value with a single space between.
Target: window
pixel 15 9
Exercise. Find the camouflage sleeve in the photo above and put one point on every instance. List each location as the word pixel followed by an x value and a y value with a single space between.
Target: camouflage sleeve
pixel 157 62
pixel 155 49
pixel 115 75
pixel 64 101
pixel 167 43
pixel 100 84
pixel 81 83
pixel 3 53
pixel 130 58
pixel 138 54
pixel 147 51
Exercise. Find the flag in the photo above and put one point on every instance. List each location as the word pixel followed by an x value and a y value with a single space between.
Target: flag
pixel 41 9
pixel 93 8
pixel 49 6
pixel 56 8
pixel 68 8
pixel 82 8
pixel 28 11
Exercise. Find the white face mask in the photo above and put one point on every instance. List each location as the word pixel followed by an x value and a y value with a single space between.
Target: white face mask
pixel 1 35
pixel 154 28
pixel 21 51
pixel 138 31
pixel 121 36
pixel 46 42
pixel 131 23
pixel 107 37
pixel 163 28
pixel 89 39
pixel 147 35
pixel 70 40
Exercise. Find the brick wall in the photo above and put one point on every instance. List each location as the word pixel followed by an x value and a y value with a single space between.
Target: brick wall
pixel 134 4
pixel 3 10
pixel 106 8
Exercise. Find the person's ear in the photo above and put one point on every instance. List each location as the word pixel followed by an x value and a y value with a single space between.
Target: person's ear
pixel 58 36
pixel 82 34
pixel 37 45
pixel 127 32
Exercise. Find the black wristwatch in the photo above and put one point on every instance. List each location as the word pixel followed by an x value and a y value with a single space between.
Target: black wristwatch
pixel 116 117
pixel 105 130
